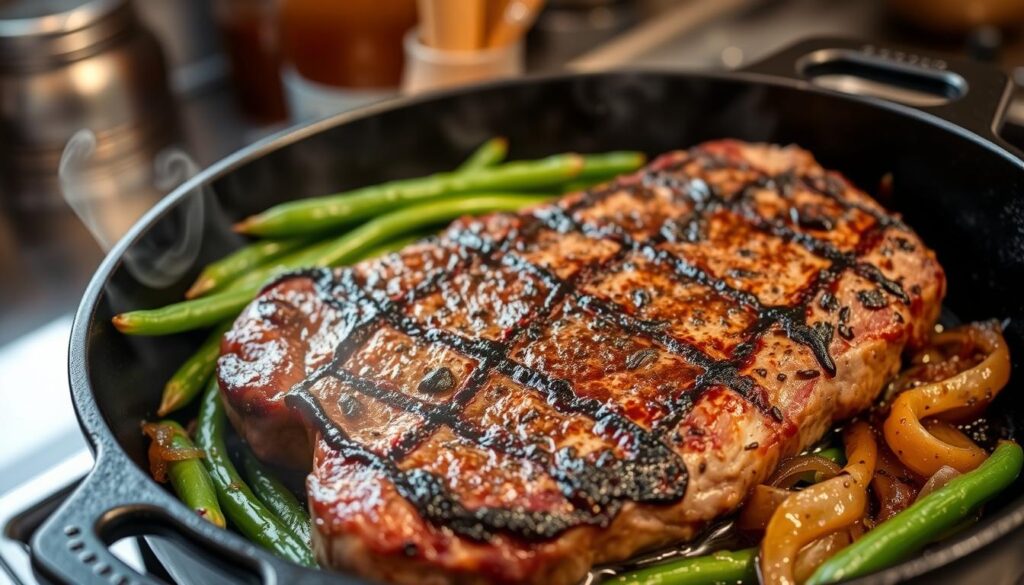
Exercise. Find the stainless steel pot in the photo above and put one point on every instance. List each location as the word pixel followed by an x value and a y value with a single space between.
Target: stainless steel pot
pixel 67 65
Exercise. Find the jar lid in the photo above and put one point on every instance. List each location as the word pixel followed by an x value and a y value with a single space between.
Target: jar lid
pixel 21 18
pixel 39 29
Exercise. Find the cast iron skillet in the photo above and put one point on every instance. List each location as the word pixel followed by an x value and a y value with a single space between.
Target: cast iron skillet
pixel 954 179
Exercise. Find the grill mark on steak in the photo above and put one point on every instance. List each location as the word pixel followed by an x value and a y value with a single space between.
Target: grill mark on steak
pixel 656 474
pixel 831 187
pixel 652 472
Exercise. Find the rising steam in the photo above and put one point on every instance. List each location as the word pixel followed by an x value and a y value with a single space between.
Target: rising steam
pixel 72 174
pixel 163 256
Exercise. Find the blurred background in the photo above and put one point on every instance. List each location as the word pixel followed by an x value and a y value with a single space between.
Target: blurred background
pixel 107 105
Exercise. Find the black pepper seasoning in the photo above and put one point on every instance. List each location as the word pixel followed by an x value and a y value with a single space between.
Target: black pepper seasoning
pixel 641 358
pixel 350 407
pixel 437 381
pixel 828 302
pixel 872 299
pixel 640 298
pixel 808 374
pixel 844 330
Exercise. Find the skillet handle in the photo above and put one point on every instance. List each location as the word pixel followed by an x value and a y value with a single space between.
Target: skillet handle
pixel 971 95
pixel 72 544
pixel 117 500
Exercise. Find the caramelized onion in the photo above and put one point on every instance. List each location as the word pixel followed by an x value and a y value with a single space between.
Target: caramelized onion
pixel 893 485
pixel 964 341
pixel 891 466
pixel 906 379
pixel 163 451
pixel 919 449
pixel 893 495
pixel 820 509
pixel 765 498
pixel 938 480
pixel 949 434
pixel 759 507
pixel 927 356
pixel 795 469
pixel 819 551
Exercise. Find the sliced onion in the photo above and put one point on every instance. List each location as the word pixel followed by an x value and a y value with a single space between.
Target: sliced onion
pixel 893 495
pixel 947 433
pixel 162 450
pixel 904 381
pixel 821 509
pixel 760 506
pixel 970 389
pixel 927 356
pixel 891 466
pixel 819 551
pixel 939 479
pixel 765 498
pixel 793 470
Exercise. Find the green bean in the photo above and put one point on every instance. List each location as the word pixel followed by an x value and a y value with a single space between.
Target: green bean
pixel 601 168
pixel 190 479
pixel 189 379
pixel 349 247
pixel 304 258
pixel 392 246
pixel 319 213
pixel 245 511
pixel 487 155
pixel 216 274
pixel 276 496
pixel 718 567
pixel 833 454
pixel 186 315
pixel 576 186
pixel 604 166
pixel 909 531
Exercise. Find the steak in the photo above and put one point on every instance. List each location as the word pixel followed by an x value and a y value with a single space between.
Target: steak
pixel 529 395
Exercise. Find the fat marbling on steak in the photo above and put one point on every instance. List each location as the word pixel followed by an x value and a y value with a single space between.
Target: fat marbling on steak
pixel 532 394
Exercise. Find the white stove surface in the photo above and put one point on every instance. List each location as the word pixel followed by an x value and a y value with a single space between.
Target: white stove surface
pixel 44 449
pixel 37 421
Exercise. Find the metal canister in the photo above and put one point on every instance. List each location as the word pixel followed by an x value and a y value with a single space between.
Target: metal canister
pixel 69 65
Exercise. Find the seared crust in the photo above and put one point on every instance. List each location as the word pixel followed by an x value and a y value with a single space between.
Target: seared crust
pixel 728 303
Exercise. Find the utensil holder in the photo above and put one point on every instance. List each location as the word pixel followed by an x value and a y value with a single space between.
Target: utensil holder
pixel 428 68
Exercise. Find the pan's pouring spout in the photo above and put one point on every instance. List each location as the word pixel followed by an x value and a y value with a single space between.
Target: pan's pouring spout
pixel 160 258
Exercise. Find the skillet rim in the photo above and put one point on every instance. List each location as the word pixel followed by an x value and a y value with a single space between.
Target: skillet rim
pixel 101 438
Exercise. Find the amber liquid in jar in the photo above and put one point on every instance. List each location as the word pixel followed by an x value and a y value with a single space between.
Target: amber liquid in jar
pixel 249 32
pixel 347 43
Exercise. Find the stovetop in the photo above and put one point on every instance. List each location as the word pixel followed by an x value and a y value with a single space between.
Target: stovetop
pixel 46 257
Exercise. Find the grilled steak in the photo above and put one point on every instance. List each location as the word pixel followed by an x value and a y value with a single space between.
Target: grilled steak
pixel 532 394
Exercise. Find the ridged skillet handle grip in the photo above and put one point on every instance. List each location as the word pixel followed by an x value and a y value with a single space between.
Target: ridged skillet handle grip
pixel 72 545
pixel 117 500
pixel 973 96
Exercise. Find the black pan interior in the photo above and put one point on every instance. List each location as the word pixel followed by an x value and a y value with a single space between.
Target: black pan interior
pixel 961 194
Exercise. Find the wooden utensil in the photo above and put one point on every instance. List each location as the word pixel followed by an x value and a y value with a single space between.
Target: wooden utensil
pixel 517 17
pixel 452 25
pixel 428 21
pixel 495 13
